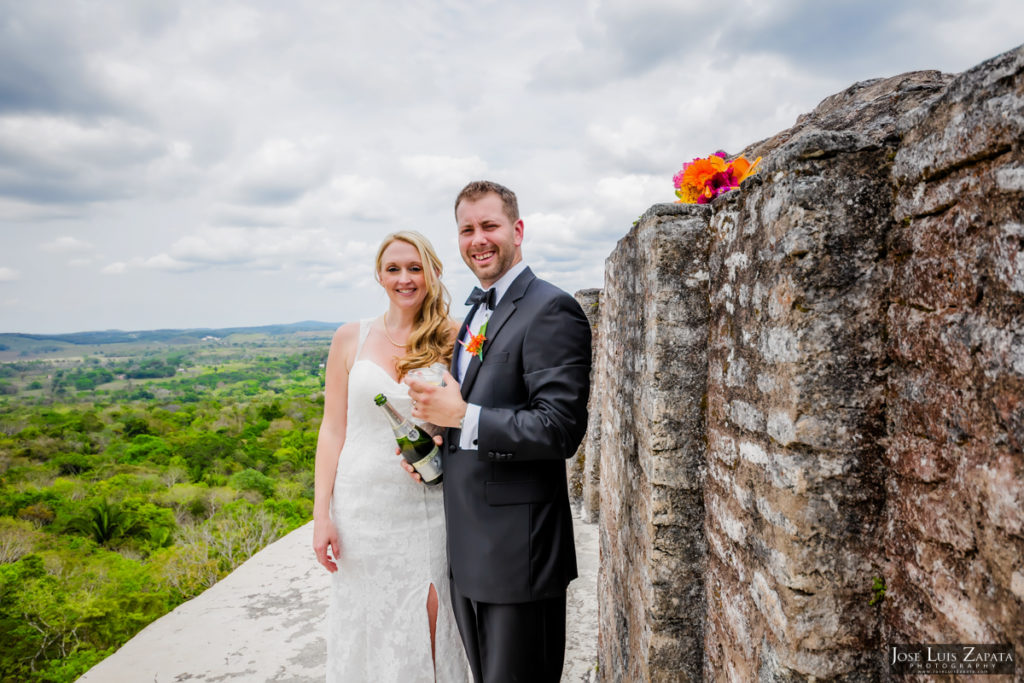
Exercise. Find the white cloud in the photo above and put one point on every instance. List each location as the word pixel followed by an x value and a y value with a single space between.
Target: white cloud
pixel 355 197
pixel 9 274
pixel 630 142
pixel 16 210
pixel 340 278
pixel 628 192
pixel 184 145
pixel 261 247
pixel 281 171
pixel 437 171
pixel 163 262
pixel 316 252
pixel 67 243
pixel 54 139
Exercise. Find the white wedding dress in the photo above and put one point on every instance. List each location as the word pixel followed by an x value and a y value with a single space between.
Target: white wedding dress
pixel 392 535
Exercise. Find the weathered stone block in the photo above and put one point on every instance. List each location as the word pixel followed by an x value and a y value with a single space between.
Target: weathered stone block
pixel 651 369
pixel 584 472
pixel 792 521
pixel 955 419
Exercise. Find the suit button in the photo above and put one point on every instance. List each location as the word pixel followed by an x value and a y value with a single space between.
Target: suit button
pixel 452 447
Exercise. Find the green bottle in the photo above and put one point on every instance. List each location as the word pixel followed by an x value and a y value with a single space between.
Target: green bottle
pixel 417 446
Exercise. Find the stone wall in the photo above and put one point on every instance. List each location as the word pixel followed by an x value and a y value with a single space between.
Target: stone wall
pixel 583 471
pixel 954 528
pixel 816 384
pixel 651 374
pixel 795 411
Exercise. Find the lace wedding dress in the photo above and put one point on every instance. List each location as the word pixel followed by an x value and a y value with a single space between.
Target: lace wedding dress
pixel 392 549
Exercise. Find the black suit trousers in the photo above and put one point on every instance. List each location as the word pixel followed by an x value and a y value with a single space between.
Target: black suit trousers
pixel 521 642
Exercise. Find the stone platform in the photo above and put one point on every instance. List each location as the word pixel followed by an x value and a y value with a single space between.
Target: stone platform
pixel 264 622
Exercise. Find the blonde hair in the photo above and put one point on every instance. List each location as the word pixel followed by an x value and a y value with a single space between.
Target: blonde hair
pixel 431 338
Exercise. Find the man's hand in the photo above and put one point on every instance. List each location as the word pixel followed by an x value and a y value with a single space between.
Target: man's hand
pixel 407 466
pixel 442 406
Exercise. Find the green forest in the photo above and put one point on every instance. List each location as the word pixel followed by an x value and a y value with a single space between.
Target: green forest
pixel 133 476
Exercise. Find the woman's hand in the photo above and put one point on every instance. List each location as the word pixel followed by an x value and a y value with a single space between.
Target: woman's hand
pixel 326 534
pixel 407 466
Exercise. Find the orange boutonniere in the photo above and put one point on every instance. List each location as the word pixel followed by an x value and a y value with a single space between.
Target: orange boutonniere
pixel 475 346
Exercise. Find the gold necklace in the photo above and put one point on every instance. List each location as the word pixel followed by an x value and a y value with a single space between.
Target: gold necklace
pixel 401 346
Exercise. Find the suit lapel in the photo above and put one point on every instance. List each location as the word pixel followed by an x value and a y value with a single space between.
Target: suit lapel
pixel 506 307
pixel 459 349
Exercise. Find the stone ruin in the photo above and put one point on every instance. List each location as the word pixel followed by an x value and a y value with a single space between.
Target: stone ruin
pixel 807 428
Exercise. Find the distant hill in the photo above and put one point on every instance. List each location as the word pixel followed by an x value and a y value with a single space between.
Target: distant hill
pixel 48 343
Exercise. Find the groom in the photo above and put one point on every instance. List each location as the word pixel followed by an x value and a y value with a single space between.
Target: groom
pixel 517 411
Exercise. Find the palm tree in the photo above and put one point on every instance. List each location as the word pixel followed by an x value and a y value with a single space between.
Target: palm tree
pixel 106 521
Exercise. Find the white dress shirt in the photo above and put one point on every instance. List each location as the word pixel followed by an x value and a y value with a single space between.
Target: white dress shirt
pixel 471 423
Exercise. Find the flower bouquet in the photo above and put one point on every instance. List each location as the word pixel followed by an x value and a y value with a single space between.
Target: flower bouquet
pixel 703 179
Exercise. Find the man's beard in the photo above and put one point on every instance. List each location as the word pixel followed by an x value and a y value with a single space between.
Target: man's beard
pixel 503 261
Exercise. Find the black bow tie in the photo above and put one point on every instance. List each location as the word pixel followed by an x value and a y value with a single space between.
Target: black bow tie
pixel 479 296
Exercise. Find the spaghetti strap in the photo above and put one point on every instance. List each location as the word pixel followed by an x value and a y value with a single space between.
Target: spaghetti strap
pixel 364 332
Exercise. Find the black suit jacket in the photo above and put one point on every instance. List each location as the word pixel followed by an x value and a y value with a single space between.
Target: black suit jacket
pixel 506 504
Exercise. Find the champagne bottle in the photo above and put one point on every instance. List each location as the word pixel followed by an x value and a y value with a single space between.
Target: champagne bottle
pixel 417 446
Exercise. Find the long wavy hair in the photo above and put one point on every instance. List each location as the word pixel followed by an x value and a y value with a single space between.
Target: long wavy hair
pixel 431 338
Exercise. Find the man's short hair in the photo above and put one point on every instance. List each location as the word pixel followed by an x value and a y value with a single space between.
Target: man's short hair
pixel 478 188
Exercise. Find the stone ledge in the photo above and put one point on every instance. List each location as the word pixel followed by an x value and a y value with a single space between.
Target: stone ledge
pixel 265 622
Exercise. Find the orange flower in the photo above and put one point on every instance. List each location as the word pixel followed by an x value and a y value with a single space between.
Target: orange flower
pixel 475 346
pixel 698 175
pixel 701 180
pixel 744 168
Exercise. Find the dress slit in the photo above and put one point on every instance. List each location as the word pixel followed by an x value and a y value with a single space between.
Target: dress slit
pixel 432 628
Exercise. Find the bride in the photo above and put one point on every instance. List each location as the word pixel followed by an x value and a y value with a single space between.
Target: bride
pixel 380 533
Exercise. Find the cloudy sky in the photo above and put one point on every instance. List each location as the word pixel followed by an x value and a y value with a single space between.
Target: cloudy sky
pixel 204 164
